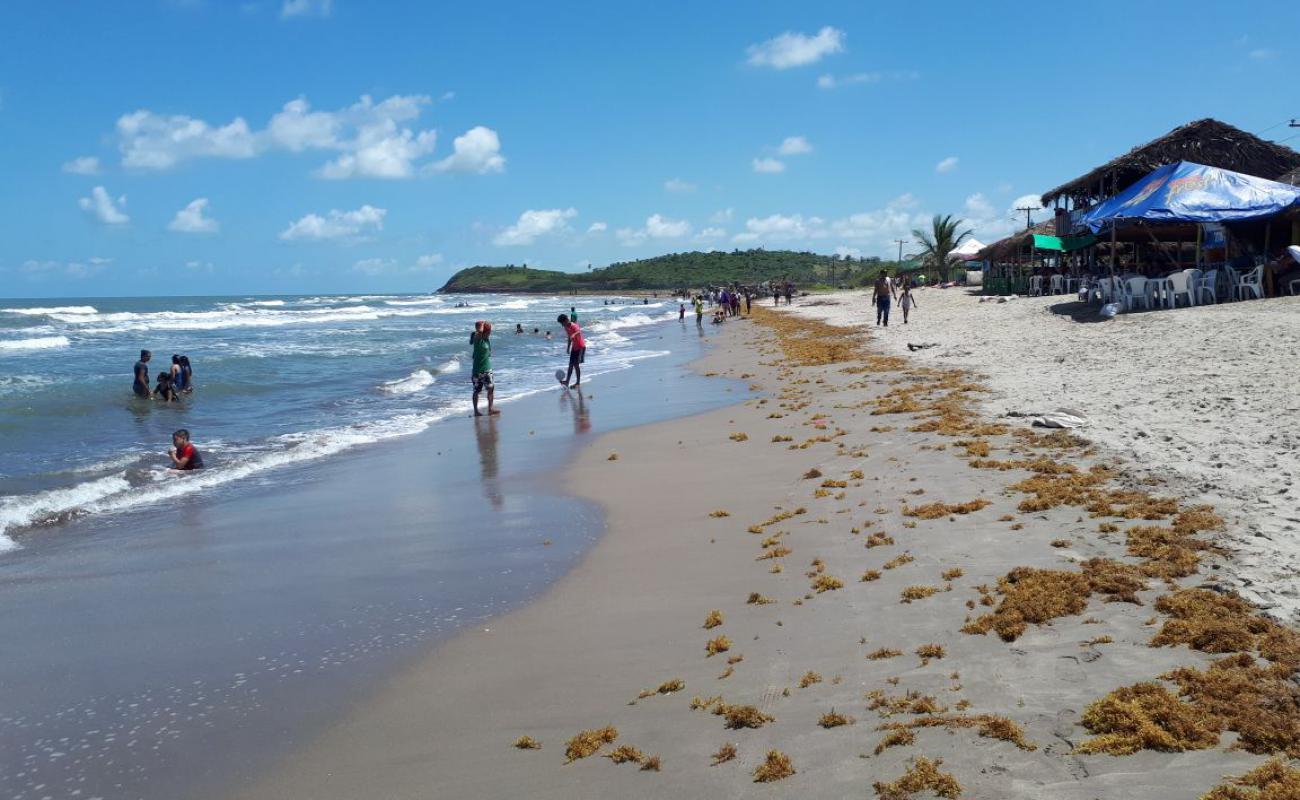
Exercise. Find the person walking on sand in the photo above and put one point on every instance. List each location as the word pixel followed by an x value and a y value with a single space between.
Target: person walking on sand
pixel 481 374
pixel 184 455
pixel 577 347
pixel 140 385
pixel 882 295
pixel 906 301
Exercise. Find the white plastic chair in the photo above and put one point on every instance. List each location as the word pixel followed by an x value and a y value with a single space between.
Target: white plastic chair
pixel 1208 285
pixel 1135 291
pixel 1176 285
pixel 1193 281
pixel 1035 285
pixel 1252 282
pixel 1058 284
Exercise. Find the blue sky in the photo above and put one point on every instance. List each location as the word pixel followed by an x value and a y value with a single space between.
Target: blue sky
pixel 204 146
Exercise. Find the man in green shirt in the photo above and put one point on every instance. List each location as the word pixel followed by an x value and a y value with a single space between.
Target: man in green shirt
pixel 481 374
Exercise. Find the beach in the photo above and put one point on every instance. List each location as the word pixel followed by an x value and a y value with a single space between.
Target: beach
pixel 910 594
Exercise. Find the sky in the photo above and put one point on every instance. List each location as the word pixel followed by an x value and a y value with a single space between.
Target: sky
pixel 188 147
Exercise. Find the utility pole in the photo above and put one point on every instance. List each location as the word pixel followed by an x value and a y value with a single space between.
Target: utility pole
pixel 900 253
pixel 1028 209
pixel 1295 123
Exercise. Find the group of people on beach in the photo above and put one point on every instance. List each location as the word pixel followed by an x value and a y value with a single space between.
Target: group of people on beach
pixel 481 370
pixel 172 383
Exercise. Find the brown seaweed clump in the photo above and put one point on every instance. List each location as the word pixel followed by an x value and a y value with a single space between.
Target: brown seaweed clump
pixel 746 716
pixel 895 738
pixel 1260 703
pixel 808 679
pixel 756 599
pixel 1032 596
pixel 776 766
pixel 923 774
pixel 1224 623
pixel 833 719
pixel 879 539
pixel 989 726
pixel 826 583
pixel 670 686
pixel 1145 716
pixel 719 644
pixel 1272 780
pixel 625 753
pixel 720 513
pixel 527 743
pixel 952 574
pixel 651 764
pixel 713 619
pixel 899 560
pixel 937 510
pixel 884 652
pixel 930 651
pixel 870 575
pixel 586 743
pixel 917 593
pixel 725 753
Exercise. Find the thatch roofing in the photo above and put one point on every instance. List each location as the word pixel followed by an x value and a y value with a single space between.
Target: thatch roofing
pixel 1016 241
pixel 1205 141
pixel 1292 177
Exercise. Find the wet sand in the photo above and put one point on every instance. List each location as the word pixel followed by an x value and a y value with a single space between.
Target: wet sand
pixel 630 618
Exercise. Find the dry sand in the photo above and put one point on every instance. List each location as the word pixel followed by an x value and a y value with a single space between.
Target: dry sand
pixel 1206 397
pixel 630 618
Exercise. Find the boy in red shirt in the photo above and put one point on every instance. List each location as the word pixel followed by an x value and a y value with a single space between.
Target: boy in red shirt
pixel 185 456
pixel 577 347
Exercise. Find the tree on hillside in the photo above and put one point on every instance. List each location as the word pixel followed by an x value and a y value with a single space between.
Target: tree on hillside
pixel 938 243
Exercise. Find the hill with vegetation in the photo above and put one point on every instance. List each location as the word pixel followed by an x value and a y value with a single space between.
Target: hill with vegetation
pixel 673 271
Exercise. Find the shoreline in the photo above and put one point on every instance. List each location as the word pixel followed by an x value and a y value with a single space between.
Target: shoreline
pixel 590 652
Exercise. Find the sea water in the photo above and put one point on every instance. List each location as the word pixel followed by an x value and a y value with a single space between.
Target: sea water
pixel 278 381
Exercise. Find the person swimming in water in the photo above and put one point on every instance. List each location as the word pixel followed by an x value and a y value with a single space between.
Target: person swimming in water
pixel 184 455
pixel 165 390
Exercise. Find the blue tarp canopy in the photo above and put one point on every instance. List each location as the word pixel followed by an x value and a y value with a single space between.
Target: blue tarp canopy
pixel 1189 192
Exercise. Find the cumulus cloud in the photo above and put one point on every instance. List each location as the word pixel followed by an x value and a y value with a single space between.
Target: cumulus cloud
pixel 768 165
pixel 374 266
pixel 947 165
pixel 597 227
pixel 657 226
pixel 722 216
pixel 709 234
pixel 848 252
pixel 796 49
pixel 1263 54
pixel 39 270
pixel 336 225
pixel 428 261
pixel 102 207
pixel 85 165
pixel 989 223
pixel 870 231
pixel 372 139
pixel 478 150
pixel 794 146
pixel 192 219
pixel 534 223
pixel 306 8
pixel 678 185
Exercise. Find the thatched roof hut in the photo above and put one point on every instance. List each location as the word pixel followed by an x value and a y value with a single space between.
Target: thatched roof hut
pixel 1206 141
pixel 1017 242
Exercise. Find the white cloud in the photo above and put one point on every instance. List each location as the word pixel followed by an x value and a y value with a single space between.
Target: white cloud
pixel 768 165
pixel 597 227
pixel 191 219
pixel 335 225
pixel 848 252
pixel 372 139
pixel 947 165
pixel 199 266
pixel 990 224
pixel 709 234
pixel 104 208
pixel 796 49
pixel 63 269
pixel 374 266
pixel 678 185
pixel 794 146
pixel 306 8
pixel 534 223
pixel 830 81
pixel 723 216
pixel 1263 54
pixel 428 261
pixel 656 226
pixel 85 165
pixel 870 231
pixel 477 150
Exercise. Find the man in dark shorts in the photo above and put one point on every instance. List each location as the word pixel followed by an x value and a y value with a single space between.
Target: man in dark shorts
pixel 185 456
pixel 481 374
pixel 141 384
pixel 882 295
pixel 577 347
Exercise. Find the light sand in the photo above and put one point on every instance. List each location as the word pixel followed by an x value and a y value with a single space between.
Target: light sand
pixel 1206 397
pixel 629 618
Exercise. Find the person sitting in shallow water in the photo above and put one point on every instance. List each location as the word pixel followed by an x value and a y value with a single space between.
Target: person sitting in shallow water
pixel 184 455
pixel 165 390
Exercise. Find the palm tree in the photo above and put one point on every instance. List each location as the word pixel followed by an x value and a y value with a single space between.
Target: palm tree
pixel 937 244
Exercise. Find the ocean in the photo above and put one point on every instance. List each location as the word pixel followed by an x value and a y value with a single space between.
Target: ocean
pixel 278 380
pixel 175 635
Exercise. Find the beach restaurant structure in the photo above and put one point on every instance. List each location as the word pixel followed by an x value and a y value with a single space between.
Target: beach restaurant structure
pixel 1065 247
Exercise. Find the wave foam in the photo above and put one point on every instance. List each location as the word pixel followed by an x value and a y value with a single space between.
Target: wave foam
pixel 40 311
pixel 420 379
pixel 39 343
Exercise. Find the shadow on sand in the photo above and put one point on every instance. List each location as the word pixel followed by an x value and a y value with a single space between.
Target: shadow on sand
pixel 1079 311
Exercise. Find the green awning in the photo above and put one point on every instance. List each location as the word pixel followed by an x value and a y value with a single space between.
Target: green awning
pixel 1064 244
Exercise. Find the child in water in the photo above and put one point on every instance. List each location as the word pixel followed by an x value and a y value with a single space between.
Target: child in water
pixel 165 390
